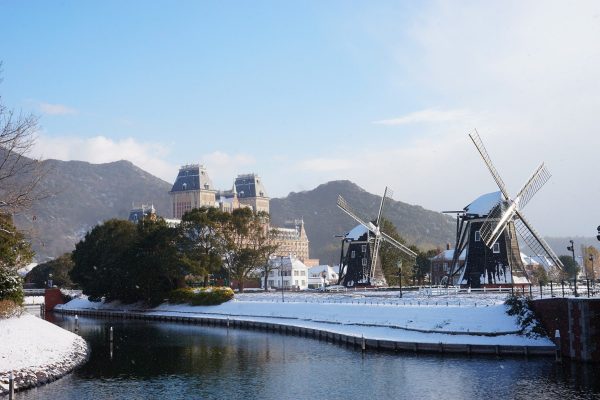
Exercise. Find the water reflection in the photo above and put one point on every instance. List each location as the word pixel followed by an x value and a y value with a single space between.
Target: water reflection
pixel 152 360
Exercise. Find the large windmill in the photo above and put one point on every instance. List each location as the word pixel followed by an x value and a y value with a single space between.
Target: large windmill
pixel 361 266
pixel 495 219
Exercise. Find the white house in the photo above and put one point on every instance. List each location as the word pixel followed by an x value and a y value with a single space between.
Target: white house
pixel 316 275
pixel 289 271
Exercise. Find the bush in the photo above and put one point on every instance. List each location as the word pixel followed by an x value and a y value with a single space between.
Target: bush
pixel 11 286
pixel 520 306
pixel 9 308
pixel 210 296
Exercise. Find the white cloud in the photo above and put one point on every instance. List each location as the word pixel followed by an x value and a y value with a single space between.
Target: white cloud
pixel 223 167
pixel 56 109
pixel 322 164
pixel 525 75
pixel 427 116
pixel 149 156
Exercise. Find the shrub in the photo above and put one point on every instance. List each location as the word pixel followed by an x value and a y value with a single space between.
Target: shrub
pixel 9 308
pixel 204 297
pixel 520 306
pixel 11 286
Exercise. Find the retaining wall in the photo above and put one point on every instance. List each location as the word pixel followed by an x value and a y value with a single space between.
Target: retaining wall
pixel 333 337
pixel 577 320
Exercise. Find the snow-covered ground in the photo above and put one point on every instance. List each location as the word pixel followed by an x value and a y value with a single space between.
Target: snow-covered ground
pixel 36 350
pixel 417 317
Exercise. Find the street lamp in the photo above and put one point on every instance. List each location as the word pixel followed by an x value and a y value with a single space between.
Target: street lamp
pixel 571 248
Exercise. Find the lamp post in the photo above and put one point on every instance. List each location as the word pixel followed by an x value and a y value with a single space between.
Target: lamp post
pixel 400 276
pixel 281 273
pixel 571 248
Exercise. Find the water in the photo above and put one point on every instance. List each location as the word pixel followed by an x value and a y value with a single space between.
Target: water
pixel 158 360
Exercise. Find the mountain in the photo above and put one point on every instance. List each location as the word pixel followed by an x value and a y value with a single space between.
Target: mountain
pixel 323 219
pixel 82 195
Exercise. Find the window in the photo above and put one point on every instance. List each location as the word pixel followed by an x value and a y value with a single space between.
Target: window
pixel 364 248
pixel 477 236
pixel 496 248
pixel 303 283
pixel 271 283
pixel 353 254
pixel 364 262
pixel 296 282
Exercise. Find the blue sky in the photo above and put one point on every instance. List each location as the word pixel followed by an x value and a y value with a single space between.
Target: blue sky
pixel 381 93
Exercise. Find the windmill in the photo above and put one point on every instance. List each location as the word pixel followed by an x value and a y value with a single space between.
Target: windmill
pixel 363 269
pixel 495 219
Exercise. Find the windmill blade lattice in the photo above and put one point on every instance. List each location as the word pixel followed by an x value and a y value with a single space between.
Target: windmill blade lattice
pixel 535 183
pixel 535 242
pixel 398 245
pixel 488 162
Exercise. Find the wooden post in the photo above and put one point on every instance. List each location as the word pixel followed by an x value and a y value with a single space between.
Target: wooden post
pixel 558 346
pixel 363 344
pixel 111 334
pixel 11 386
pixel 541 290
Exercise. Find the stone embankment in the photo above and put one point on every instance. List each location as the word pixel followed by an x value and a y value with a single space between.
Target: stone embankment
pixel 37 352
pixel 321 333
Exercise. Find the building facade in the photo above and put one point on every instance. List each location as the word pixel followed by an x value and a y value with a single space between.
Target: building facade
pixel 287 272
pixel 193 188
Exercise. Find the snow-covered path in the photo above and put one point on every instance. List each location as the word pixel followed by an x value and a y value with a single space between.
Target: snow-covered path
pixel 36 350
pixel 483 321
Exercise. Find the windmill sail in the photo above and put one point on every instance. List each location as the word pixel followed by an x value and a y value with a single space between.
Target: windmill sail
pixel 488 162
pixel 535 242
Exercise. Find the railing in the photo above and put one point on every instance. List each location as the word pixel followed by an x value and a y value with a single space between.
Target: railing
pixel 34 292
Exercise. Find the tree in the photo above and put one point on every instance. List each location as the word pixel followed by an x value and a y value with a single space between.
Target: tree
pixel 539 276
pixel 571 268
pixel 15 251
pixel 59 268
pixel 100 259
pixel 390 256
pixel 200 242
pixel 155 264
pixel 245 243
pixel 591 267
pixel 19 174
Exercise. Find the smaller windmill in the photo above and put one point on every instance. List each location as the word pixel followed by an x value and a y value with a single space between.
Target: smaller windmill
pixel 363 251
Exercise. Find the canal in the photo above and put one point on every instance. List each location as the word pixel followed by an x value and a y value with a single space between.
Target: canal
pixel 159 360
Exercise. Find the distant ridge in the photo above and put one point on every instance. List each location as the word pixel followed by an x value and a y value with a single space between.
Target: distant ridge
pixel 324 219
pixel 83 195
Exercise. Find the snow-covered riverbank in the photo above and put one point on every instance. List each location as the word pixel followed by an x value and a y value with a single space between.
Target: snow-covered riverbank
pixel 479 320
pixel 37 351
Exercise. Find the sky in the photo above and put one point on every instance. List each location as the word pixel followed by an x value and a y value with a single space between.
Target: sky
pixel 304 92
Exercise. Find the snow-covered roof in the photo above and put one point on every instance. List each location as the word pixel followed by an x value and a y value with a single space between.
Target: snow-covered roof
pixel 448 255
pixel 483 204
pixel 319 269
pixel 356 232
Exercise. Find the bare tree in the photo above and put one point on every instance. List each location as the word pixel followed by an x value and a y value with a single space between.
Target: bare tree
pixel 19 174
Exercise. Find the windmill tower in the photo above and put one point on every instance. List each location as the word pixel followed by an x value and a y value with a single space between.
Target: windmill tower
pixel 362 266
pixel 488 227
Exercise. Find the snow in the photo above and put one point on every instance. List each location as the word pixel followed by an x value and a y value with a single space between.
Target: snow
pixel 31 342
pixel 356 232
pixel 456 319
pixel 483 204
